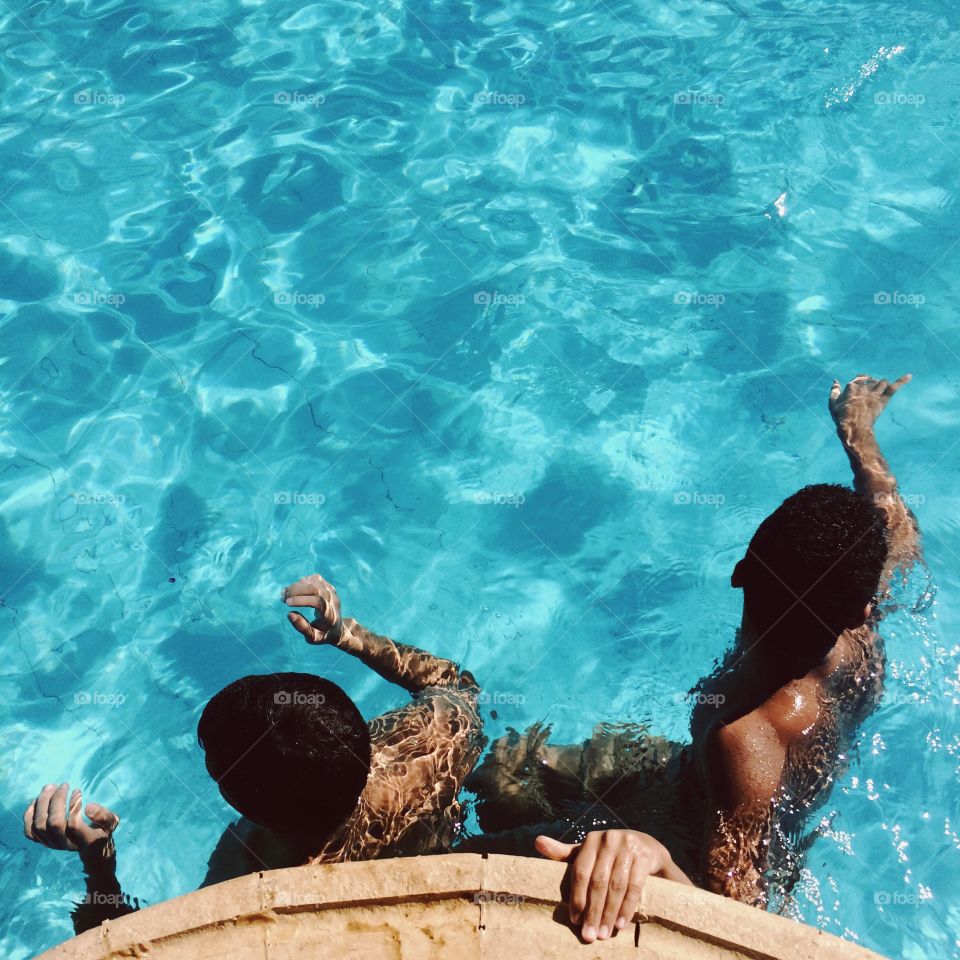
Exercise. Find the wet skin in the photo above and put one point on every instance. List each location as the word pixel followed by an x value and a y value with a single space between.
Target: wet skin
pixel 763 743
pixel 420 755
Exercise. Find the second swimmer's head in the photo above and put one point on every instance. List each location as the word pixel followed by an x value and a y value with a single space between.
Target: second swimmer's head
pixel 290 751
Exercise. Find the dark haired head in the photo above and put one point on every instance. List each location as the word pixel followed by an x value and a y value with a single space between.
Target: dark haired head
pixel 288 750
pixel 811 569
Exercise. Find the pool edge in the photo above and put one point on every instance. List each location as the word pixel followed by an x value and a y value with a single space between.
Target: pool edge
pixel 463 904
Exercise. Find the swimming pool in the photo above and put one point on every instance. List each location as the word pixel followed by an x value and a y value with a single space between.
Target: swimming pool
pixel 512 320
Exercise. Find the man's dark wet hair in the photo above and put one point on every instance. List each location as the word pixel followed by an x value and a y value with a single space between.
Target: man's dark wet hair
pixel 810 570
pixel 289 751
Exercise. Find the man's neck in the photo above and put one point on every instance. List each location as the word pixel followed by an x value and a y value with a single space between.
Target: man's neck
pixel 764 669
pixel 277 848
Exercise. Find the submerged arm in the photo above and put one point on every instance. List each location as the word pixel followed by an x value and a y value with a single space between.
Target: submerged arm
pixel 104 899
pixel 747 769
pixel 735 855
pixel 409 667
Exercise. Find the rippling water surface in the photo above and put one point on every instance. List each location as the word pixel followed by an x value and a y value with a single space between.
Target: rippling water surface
pixel 512 319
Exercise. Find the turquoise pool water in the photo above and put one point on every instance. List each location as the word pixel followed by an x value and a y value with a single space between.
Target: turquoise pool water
pixel 513 320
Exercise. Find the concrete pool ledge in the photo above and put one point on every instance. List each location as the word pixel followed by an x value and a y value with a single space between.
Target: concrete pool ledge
pixel 461 906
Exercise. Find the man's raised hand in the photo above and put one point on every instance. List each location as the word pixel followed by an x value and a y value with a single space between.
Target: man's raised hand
pixel 862 400
pixel 49 821
pixel 315 592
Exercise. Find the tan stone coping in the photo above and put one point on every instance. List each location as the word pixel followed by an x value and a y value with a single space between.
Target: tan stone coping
pixel 461 906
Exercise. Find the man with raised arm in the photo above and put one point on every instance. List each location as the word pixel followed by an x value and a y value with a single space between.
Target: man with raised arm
pixel 810 663
pixel 312 781
pixel 770 727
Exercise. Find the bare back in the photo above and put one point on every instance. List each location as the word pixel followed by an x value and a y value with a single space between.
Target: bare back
pixel 765 768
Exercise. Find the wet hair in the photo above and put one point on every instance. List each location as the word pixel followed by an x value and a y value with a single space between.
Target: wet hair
pixel 289 751
pixel 810 570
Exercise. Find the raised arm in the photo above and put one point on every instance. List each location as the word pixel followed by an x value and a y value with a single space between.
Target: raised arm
pixel 409 667
pixel 855 409
pixel 422 752
pixel 49 822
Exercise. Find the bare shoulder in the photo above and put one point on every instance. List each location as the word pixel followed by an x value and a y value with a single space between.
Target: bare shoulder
pixel 421 754
pixel 787 714
pixel 437 716
pixel 793 710
pixel 748 734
